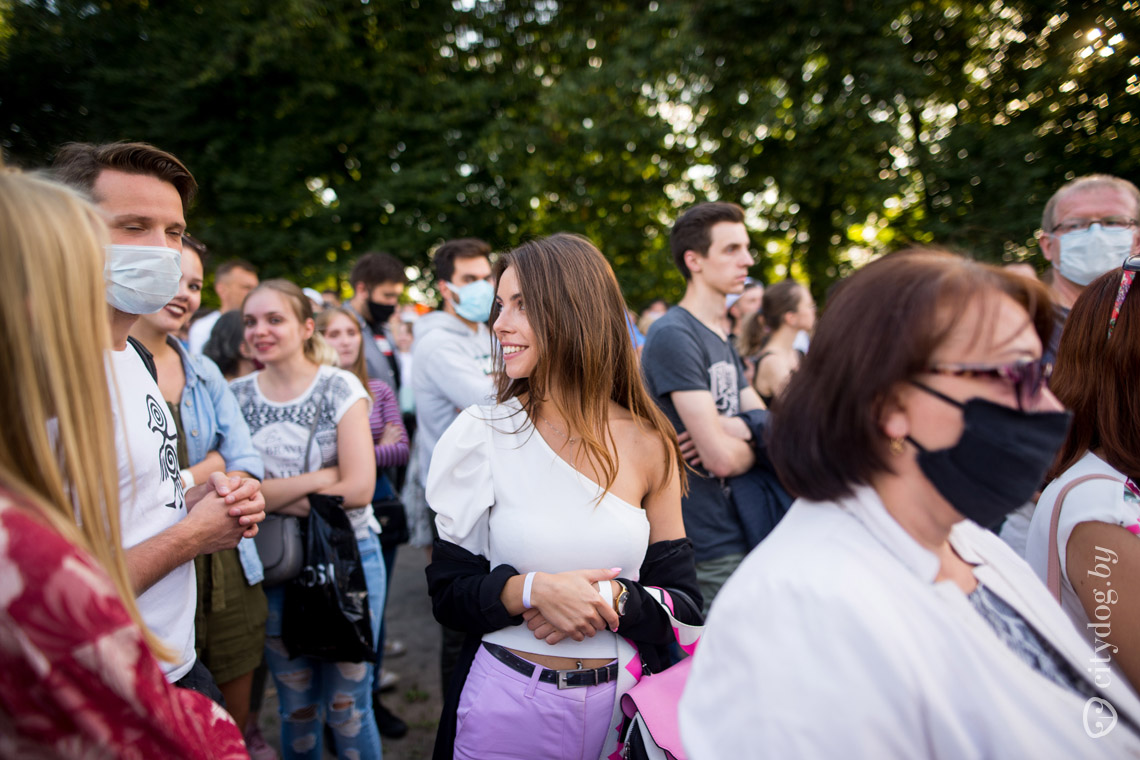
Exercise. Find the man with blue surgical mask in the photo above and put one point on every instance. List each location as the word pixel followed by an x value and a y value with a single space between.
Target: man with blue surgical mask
pixel 141 193
pixel 451 370
pixel 451 356
pixel 1088 228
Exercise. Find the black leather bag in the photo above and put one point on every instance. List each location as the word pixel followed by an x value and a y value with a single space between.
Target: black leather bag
pixel 393 521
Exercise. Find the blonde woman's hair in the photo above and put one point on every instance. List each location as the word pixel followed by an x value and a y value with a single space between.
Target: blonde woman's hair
pixel 359 367
pixel 323 353
pixel 315 348
pixel 57 445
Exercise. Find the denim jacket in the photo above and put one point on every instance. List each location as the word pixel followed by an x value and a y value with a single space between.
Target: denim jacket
pixel 212 421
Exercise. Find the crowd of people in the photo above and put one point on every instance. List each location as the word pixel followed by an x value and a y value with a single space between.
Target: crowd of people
pixel 916 516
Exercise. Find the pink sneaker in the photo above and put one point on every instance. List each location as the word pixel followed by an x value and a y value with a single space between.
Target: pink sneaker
pixel 259 749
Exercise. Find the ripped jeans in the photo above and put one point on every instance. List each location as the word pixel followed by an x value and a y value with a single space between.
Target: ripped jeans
pixel 341 692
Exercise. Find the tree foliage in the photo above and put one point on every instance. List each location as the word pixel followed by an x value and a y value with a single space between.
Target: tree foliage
pixel 856 127
pixel 323 129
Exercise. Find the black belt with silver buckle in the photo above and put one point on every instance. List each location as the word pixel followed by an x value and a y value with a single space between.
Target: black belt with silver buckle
pixel 564 679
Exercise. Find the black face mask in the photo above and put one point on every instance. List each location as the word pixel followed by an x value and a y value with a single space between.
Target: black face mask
pixel 999 461
pixel 378 314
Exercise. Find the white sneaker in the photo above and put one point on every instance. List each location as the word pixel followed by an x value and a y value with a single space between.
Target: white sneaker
pixel 395 648
pixel 388 679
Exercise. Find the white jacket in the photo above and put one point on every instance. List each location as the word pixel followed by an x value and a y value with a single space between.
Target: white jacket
pixel 832 640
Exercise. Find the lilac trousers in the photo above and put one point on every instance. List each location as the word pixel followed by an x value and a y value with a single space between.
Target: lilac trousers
pixel 504 715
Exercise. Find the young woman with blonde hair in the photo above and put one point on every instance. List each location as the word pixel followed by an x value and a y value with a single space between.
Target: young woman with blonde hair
pixel 560 507
pixel 77 673
pixel 342 333
pixel 294 399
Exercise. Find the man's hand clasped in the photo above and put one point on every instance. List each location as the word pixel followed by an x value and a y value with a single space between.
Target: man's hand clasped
pixel 225 510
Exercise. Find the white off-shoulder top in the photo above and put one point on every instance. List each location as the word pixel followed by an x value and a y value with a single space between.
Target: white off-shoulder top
pixel 500 491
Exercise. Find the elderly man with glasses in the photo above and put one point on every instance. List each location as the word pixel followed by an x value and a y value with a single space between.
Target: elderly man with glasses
pixel 1089 227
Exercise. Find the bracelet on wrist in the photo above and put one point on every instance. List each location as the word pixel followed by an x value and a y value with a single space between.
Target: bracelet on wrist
pixel 528 582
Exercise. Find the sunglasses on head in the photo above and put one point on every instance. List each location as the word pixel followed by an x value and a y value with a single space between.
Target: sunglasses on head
pixel 1131 267
pixel 1028 376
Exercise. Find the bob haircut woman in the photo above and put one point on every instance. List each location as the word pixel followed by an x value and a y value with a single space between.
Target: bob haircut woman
pixel 226 346
pixel 920 415
pixel 542 500
pixel 67 593
pixel 833 441
pixel 1099 519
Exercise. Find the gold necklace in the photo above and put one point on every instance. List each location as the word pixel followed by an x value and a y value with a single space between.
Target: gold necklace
pixel 550 425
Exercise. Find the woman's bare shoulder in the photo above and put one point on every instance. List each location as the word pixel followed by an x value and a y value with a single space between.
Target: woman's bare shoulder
pixel 639 443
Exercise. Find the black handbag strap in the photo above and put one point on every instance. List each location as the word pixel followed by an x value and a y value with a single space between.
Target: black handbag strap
pixel 321 398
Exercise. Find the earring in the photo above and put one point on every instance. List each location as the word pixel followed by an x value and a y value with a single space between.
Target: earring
pixel 896 446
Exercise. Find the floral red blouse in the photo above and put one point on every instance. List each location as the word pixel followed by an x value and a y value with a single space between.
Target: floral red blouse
pixel 76 678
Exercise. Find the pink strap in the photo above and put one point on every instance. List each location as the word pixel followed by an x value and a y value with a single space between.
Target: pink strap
pixel 1053 573
pixel 656 697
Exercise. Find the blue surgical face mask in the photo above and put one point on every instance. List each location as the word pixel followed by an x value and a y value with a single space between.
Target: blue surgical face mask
pixel 473 300
pixel 141 279
pixel 1089 253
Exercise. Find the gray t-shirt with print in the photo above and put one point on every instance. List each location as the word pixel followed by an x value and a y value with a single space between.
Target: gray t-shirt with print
pixel 682 354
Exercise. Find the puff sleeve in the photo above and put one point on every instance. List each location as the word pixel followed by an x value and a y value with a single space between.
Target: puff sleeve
pixel 460 489
pixel 464 588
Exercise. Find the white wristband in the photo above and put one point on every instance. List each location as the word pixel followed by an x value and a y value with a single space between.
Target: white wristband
pixel 527 583
pixel 606 589
pixel 187 479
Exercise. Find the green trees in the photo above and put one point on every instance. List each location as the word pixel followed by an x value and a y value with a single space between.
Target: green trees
pixel 320 130
pixel 857 126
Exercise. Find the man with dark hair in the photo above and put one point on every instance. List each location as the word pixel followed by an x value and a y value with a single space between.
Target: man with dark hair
pixel 233 280
pixel 82 165
pixel 451 355
pixel 377 281
pixel 331 298
pixel 698 380
pixel 142 193
pixel 451 370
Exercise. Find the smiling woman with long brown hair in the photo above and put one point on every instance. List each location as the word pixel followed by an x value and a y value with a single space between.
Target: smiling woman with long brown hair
pixel 77 673
pixel 557 507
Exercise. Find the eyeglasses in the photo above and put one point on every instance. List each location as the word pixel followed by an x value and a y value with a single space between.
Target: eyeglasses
pixel 1131 267
pixel 1108 223
pixel 1028 376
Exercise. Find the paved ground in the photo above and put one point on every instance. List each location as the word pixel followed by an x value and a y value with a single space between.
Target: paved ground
pixel 417 697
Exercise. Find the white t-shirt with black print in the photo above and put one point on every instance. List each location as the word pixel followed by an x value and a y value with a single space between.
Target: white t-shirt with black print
pixel 151 500
pixel 280 430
